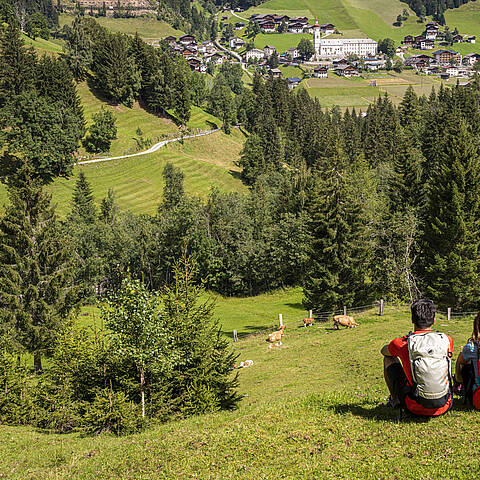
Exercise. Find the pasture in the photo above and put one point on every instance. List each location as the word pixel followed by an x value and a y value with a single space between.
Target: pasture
pixel 281 41
pixel 311 409
pixel 43 46
pixel 357 92
pixel 138 181
pixel 372 18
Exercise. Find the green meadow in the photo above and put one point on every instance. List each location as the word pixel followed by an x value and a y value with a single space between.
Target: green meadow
pixel 313 408
pixel 138 181
pixel 42 46
pixel 281 41
pixel 373 18
pixel 357 92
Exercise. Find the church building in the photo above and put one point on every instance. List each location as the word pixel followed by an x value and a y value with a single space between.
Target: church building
pixel 330 48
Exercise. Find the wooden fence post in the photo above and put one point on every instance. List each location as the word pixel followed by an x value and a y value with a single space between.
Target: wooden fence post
pixel 235 336
pixel 345 310
pixel 449 313
pixel 280 320
pixel 381 307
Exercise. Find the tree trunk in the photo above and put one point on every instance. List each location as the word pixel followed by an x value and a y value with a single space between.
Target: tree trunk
pixel 37 362
pixel 142 389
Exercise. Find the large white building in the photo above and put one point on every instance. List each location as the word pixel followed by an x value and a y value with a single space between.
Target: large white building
pixel 342 47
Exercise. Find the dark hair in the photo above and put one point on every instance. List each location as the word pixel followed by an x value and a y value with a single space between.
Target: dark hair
pixel 423 313
pixel 476 328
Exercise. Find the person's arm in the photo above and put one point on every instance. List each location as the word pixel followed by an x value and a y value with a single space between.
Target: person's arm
pixel 385 351
pixel 458 367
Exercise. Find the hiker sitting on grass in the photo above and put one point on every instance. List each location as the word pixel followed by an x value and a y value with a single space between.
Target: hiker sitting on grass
pixel 421 383
pixel 466 368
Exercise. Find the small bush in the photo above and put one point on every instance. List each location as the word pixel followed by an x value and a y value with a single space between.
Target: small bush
pixel 112 412
pixel 55 408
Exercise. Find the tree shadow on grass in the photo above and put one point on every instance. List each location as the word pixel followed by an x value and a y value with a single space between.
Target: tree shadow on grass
pixel 236 175
pixel 250 330
pixel 211 124
pixel 98 94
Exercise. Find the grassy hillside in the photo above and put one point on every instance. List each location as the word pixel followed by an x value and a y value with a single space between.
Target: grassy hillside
pixel 42 46
pixel 206 161
pixel 281 42
pixel 148 28
pixel 312 409
pixel 138 182
pixel 373 18
pixel 128 120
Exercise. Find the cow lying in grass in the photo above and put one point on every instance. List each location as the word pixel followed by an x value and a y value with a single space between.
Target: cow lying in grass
pixel 276 336
pixel 345 321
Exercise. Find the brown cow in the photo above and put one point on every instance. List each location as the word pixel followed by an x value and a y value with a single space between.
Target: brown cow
pixel 307 321
pixel 345 321
pixel 276 336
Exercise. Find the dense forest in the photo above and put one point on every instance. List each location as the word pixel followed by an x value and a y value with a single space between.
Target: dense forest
pixel 146 365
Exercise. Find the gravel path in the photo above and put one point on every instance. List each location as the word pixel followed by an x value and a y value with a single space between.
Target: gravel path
pixel 152 149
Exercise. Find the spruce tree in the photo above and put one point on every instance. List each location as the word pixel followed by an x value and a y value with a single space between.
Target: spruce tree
pixel 83 204
pixel 450 264
pixel 252 160
pixel 78 49
pixel 182 102
pixel 173 189
pixel 340 212
pixel 17 63
pixel 115 71
pixel 409 113
pixel 36 270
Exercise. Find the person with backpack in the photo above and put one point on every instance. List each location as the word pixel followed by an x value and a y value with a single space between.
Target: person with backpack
pixel 417 367
pixel 467 367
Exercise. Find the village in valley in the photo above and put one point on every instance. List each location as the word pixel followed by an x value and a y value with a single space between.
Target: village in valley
pixel 322 50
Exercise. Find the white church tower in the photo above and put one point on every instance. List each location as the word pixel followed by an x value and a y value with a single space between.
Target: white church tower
pixel 316 38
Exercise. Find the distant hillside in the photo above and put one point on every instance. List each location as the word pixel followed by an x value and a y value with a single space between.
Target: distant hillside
pixel 372 18
pixel 147 27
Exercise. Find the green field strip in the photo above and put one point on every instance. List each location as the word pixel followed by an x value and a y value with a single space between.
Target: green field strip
pixel 148 28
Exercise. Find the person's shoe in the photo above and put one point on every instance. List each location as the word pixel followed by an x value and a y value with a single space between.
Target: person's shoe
pixel 391 403
pixel 459 389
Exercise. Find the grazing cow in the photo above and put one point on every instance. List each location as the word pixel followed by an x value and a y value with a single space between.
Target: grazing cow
pixel 276 336
pixel 307 321
pixel 345 321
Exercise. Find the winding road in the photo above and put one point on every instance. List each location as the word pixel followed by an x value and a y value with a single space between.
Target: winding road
pixel 152 149
pixel 234 55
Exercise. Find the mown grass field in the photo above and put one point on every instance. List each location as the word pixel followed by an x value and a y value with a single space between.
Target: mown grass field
pixel 148 28
pixel 311 409
pixel 373 18
pixel 138 181
pixel 357 92
pixel 281 41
